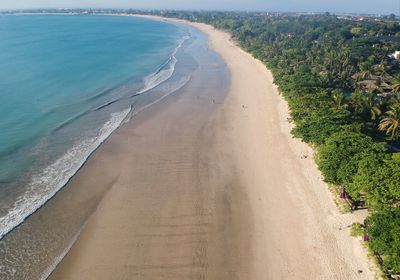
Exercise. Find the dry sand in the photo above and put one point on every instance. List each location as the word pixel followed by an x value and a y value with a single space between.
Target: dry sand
pixel 217 193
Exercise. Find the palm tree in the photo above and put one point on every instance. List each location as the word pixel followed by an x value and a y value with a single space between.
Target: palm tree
pixel 371 105
pixel 356 101
pixel 382 71
pixel 395 83
pixel 391 122
pixel 339 100
pixel 366 71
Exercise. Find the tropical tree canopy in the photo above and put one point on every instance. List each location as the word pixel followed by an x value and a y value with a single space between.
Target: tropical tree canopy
pixel 339 156
pixel 391 122
pixel 383 229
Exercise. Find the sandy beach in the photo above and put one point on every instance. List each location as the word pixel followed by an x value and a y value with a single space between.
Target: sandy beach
pixel 211 187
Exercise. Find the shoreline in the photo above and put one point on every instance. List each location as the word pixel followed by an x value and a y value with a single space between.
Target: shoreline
pixel 336 220
pixel 253 161
pixel 316 193
pixel 28 237
pixel 14 221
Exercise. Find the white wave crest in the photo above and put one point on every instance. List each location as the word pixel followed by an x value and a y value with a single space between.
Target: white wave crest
pixel 173 88
pixel 46 184
pixel 177 86
pixel 164 73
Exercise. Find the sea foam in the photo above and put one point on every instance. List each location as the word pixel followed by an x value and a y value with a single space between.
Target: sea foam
pixel 46 184
pixel 164 72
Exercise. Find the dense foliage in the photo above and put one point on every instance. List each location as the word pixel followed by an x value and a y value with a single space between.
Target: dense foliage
pixel 340 155
pixel 341 78
pixel 383 228
pixel 378 176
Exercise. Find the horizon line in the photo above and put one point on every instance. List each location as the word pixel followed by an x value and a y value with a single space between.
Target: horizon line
pixel 191 10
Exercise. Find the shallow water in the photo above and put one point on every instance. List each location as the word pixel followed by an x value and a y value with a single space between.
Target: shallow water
pixel 78 124
pixel 66 82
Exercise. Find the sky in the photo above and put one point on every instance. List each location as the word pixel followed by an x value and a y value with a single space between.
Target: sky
pixel 333 6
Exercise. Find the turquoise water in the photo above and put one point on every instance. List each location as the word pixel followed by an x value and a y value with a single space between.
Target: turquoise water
pixel 66 82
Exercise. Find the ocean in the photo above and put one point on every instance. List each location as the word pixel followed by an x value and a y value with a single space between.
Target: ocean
pixel 66 83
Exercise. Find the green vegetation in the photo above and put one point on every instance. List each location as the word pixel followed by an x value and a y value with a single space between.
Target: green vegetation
pixel 379 178
pixel 391 122
pixel 340 155
pixel 342 84
pixel 383 228
pixel 357 230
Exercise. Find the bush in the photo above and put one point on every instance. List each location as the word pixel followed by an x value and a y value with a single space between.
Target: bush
pixel 349 168
pixel 384 186
pixel 339 156
pixel 316 128
pixel 307 104
pixel 357 230
pixel 367 169
pixel 383 229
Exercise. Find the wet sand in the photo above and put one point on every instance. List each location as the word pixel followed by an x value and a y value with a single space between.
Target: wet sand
pixel 211 187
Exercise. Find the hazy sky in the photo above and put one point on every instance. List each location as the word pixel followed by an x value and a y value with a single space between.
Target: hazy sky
pixel 357 6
